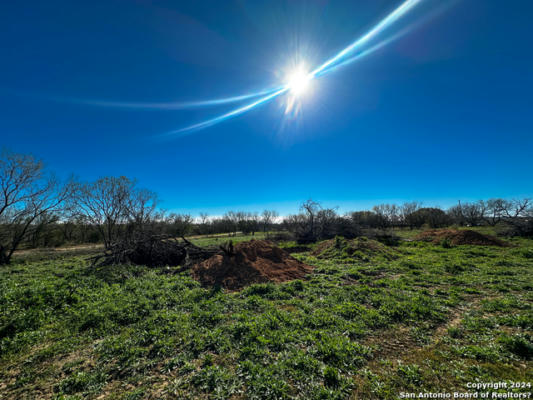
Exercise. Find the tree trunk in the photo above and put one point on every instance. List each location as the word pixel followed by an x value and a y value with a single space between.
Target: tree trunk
pixel 4 257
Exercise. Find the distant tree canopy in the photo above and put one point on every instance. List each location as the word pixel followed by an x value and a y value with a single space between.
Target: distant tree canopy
pixel 38 210
pixel 430 216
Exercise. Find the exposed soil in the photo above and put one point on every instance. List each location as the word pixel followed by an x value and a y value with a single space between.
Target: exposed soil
pixel 257 261
pixel 459 237
pixel 361 248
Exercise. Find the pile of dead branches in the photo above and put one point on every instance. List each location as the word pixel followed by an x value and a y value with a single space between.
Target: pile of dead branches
pixel 154 251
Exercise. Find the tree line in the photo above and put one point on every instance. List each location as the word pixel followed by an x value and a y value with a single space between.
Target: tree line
pixel 515 217
pixel 39 210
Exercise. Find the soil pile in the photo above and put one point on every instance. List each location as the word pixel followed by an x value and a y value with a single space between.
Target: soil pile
pixel 257 261
pixel 360 248
pixel 459 237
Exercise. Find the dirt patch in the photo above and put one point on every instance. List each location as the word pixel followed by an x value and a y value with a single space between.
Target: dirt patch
pixel 257 261
pixel 458 237
pixel 361 248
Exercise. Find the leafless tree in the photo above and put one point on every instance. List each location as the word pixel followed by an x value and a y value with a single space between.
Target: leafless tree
pixel 517 208
pixel 298 225
pixel 233 219
pixel 326 223
pixel 495 210
pixel 389 214
pixel 407 209
pixel 29 197
pixel 104 204
pixel 181 224
pixel 314 222
pixel 474 212
pixel 253 222
pixel 518 214
pixel 115 207
pixel 204 223
pixel 456 214
pixel 310 209
pixel 267 219
pixel 141 210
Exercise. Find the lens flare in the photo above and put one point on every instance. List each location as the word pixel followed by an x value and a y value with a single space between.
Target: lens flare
pixel 377 29
pixel 298 80
pixel 297 83
pixel 164 105
pixel 223 117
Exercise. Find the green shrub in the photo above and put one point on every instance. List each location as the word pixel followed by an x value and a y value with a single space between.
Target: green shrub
pixel 331 376
pixel 446 243
pixel 518 344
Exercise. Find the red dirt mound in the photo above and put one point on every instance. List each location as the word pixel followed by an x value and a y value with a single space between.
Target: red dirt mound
pixel 257 261
pixel 458 237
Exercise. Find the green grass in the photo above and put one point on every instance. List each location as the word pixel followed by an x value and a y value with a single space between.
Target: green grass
pixel 433 318
pixel 212 240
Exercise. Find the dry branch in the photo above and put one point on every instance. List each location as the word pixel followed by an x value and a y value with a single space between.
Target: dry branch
pixel 153 251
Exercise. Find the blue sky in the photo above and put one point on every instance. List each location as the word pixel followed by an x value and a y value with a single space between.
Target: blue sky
pixel 441 114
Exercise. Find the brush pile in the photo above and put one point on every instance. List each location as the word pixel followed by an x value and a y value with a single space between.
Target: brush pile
pixel 154 251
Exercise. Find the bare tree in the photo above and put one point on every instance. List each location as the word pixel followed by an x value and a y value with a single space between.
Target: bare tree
pixel 253 222
pixel 115 206
pixel 407 209
pixel 314 222
pixel 456 214
pixel 326 223
pixel 204 223
pixel 310 209
pixel 267 219
pixel 518 213
pixel 233 219
pixel 140 209
pixel 517 208
pixel 389 214
pixel 181 224
pixel 495 210
pixel 474 212
pixel 28 199
pixel 298 225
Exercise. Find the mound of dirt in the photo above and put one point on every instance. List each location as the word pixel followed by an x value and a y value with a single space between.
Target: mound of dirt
pixel 257 261
pixel 459 237
pixel 361 248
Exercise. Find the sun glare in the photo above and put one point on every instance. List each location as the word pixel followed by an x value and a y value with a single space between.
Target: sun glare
pixel 298 81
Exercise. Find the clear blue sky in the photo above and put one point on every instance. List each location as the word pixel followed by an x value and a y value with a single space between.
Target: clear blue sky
pixel 443 113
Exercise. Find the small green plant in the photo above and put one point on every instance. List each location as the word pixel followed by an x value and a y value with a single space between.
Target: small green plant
pixel 82 382
pixel 455 332
pixel 331 376
pixel 411 374
pixel 521 345
pixel 446 243
pixel 454 268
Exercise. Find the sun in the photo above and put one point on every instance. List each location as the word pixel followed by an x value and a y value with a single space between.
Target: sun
pixel 298 81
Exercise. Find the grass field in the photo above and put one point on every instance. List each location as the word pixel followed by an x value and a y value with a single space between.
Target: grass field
pixel 418 317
